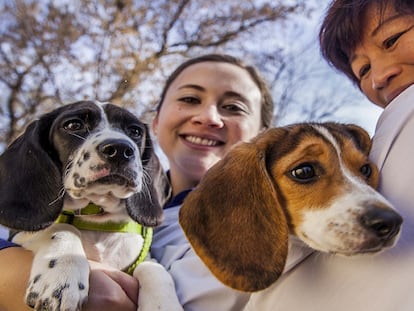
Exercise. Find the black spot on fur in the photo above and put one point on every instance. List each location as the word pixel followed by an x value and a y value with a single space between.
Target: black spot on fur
pixel 86 156
pixel 52 263
pixel 79 181
pixel 57 293
pixel 81 286
pixel 31 299
pixel 46 305
pixel 36 278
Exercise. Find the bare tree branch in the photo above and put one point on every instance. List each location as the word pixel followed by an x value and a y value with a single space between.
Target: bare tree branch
pixel 54 52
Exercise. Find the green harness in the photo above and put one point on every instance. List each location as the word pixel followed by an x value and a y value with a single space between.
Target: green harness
pixel 69 217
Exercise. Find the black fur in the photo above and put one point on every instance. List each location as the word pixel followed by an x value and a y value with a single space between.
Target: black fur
pixel 31 183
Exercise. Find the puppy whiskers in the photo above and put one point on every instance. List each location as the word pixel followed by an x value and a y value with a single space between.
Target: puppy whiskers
pixel 78 136
pixel 146 181
pixel 59 197
pixel 67 168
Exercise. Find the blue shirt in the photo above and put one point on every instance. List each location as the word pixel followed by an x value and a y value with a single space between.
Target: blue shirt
pixel 5 244
pixel 196 287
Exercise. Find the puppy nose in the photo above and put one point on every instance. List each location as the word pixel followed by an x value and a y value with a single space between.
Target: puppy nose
pixel 116 150
pixel 384 223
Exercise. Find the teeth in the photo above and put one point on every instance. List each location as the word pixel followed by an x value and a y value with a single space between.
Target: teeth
pixel 201 141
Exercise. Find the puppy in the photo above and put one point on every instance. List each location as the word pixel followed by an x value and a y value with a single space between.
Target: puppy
pixel 83 181
pixel 311 181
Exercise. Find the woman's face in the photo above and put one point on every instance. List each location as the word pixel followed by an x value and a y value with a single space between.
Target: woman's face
pixel 208 108
pixel 384 61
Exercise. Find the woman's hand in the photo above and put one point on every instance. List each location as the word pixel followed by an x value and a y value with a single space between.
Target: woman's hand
pixel 110 289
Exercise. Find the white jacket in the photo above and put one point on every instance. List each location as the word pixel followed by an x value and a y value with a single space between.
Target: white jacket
pixel 197 288
pixel 383 282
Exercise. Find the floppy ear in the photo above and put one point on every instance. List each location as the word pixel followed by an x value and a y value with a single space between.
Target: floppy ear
pixel 30 180
pixel 145 207
pixel 234 221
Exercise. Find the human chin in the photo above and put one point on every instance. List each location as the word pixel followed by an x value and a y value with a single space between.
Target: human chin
pixel 206 163
pixel 373 97
pixel 197 164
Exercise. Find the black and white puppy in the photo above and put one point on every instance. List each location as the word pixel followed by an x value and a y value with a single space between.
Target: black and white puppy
pixel 95 163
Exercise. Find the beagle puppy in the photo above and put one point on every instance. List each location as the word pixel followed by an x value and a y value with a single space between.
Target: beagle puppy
pixel 311 181
pixel 83 182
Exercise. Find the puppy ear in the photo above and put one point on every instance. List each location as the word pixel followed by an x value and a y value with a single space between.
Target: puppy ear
pixel 30 180
pixel 145 207
pixel 234 221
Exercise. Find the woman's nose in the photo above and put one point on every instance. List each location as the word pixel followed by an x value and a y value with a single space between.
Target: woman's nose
pixel 383 73
pixel 209 116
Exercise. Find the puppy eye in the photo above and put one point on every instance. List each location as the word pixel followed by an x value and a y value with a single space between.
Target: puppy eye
pixel 366 170
pixel 135 131
pixel 73 125
pixel 303 173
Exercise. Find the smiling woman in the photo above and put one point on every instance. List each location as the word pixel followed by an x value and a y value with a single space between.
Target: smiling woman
pixel 208 105
pixel 206 110
pixel 388 45
pixel 372 42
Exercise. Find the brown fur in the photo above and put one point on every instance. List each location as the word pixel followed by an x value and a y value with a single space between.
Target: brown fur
pixel 247 204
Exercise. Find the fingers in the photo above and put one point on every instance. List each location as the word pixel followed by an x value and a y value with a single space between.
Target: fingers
pixel 111 289
pixel 128 283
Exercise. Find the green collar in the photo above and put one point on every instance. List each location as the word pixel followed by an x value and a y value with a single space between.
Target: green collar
pixel 75 219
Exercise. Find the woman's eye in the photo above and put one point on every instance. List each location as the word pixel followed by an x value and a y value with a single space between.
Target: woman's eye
pixel 389 43
pixel 363 71
pixel 234 107
pixel 189 100
pixel 74 125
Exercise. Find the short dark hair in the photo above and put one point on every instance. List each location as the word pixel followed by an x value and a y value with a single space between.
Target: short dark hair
pixel 266 98
pixel 341 29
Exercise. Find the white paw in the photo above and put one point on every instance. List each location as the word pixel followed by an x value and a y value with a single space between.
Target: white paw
pixel 58 284
pixel 59 279
pixel 157 290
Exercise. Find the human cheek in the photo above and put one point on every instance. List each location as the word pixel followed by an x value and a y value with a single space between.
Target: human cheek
pixel 243 132
pixel 372 95
pixel 251 128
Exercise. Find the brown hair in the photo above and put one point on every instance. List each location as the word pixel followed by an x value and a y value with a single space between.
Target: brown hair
pixel 341 29
pixel 266 101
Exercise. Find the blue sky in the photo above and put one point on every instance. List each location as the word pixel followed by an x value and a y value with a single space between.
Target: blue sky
pixel 356 108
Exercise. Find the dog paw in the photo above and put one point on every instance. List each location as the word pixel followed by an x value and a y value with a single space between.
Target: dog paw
pixel 157 290
pixel 62 286
pixel 59 279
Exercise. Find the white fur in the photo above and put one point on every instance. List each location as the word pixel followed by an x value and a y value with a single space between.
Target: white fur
pixel 61 251
pixel 327 228
pixel 59 267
